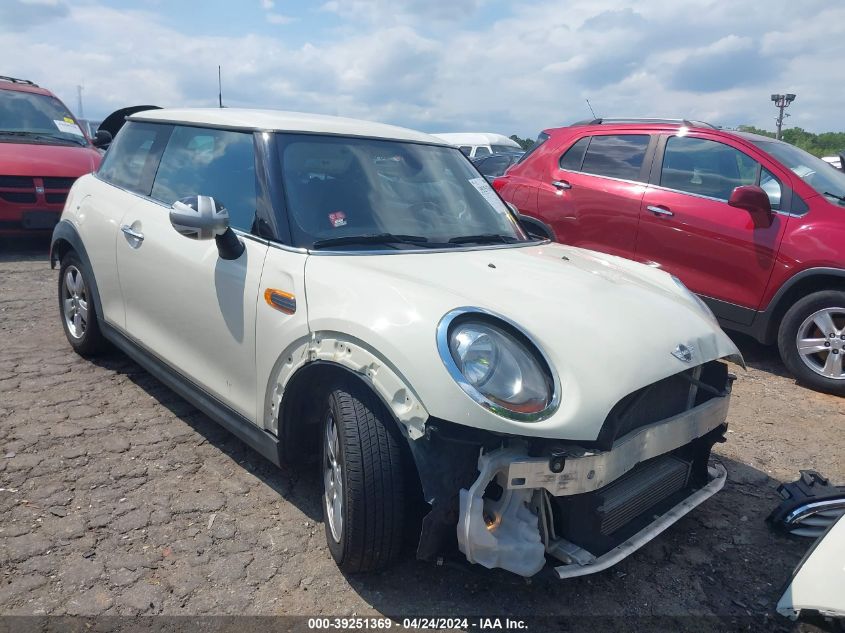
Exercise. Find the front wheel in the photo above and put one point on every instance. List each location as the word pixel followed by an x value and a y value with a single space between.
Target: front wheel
pixel 77 309
pixel 363 488
pixel 811 341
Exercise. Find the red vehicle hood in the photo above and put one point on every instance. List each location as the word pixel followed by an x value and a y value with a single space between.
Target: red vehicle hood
pixel 28 159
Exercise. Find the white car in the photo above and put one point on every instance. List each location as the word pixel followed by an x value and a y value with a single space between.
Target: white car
pixel 356 293
pixel 478 144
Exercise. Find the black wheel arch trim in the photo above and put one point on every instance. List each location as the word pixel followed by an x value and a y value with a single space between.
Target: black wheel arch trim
pixel 65 231
pixel 764 328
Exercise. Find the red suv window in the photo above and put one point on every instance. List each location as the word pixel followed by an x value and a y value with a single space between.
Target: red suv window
pixel 615 155
pixel 712 169
pixel 574 156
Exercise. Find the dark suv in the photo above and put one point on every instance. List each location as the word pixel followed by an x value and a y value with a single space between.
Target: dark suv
pixel 753 225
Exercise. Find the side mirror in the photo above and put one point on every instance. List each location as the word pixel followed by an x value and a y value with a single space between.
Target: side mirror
pixel 102 139
pixel 203 218
pixel 534 228
pixel 754 200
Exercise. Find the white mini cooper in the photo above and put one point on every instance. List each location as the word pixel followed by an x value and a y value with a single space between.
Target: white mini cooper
pixel 357 294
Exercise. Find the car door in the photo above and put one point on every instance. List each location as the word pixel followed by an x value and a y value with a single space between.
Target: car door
pixel 125 175
pixel 183 302
pixel 592 192
pixel 688 228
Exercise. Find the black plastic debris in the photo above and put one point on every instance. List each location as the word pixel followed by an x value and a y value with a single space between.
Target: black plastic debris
pixel 810 505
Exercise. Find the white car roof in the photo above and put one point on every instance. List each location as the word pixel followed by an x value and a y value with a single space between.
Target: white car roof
pixel 281 121
pixel 477 138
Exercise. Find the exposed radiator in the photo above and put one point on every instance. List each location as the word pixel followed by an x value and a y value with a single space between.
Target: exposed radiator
pixel 631 495
pixel 600 520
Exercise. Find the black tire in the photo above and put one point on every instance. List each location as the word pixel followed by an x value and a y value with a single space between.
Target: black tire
pixel 789 330
pixel 371 472
pixel 89 340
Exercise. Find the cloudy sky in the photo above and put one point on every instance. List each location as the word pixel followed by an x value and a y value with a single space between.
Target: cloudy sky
pixel 441 65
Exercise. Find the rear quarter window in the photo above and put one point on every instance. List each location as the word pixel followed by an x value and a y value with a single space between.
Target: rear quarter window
pixel 133 157
pixel 574 156
pixel 616 156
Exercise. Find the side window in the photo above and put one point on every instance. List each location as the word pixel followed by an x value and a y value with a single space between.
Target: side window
pixel 208 162
pixel 771 185
pixel 466 150
pixel 133 156
pixel 574 156
pixel 494 166
pixel 542 137
pixel 481 150
pixel 616 156
pixel 706 168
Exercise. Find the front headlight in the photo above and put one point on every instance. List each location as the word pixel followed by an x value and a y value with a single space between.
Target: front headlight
pixel 497 365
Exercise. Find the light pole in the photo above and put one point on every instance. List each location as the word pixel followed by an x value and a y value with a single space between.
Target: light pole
pixel 781 103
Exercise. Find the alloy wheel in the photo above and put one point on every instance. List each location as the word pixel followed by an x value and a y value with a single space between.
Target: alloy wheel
pixel 333 479
pixel 75 302
pixel 821 342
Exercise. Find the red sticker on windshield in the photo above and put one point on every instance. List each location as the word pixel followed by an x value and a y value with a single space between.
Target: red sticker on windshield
pixel 337 218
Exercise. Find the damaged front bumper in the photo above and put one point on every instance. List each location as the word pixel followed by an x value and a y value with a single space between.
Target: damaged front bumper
pixel 589 509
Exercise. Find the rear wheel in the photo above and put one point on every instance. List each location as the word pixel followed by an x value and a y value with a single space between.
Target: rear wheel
pixel 76 306
pixel 363 488
pixel 811 340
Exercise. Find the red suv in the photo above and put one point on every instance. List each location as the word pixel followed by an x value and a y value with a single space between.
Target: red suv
pixel 753 225
pixel 42 151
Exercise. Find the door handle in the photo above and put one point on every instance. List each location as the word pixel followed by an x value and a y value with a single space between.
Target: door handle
pixel 561 184
pixel 128 230
pixel 660 211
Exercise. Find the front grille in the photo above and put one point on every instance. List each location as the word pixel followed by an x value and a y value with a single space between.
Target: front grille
pixel 58 183
pixel 17 182
pixel 17 196
pixel 55 198
pixel 631 495
pixel 664 399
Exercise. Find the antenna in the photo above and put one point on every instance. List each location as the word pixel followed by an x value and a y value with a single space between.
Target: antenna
pixel 79 102
pixel 219 88
pixel 591 108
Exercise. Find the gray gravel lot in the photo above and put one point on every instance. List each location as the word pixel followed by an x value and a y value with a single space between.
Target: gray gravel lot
pixel 117 497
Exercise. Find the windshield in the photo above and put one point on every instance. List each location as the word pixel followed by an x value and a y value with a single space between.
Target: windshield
pixel 504 149
pixel 37 117
pixel 388 194
pixel 822 177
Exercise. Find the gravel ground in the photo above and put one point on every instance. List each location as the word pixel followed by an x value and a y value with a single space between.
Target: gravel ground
pixel 119 498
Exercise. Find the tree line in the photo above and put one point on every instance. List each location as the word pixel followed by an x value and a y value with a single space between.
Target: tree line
pixel 824 144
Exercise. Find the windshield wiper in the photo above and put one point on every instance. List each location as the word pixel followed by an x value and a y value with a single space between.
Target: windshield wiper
pixel 42 136
pixel 833 195
pixel 370 238
pixel 483 238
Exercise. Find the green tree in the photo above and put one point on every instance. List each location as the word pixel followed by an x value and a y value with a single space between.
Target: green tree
pixel 824 144
pixel 524 143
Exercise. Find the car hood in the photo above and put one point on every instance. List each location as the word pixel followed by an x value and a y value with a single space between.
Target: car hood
pixel 31 159
pixel 608 325
pixel 816 585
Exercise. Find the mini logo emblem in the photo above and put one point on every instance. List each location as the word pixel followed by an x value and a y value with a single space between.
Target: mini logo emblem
pixel 39 190
pixel 682 352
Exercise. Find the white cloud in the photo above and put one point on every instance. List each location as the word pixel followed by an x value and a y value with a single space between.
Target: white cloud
pixel 267 4
pixel 406 62
pixel 278 18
